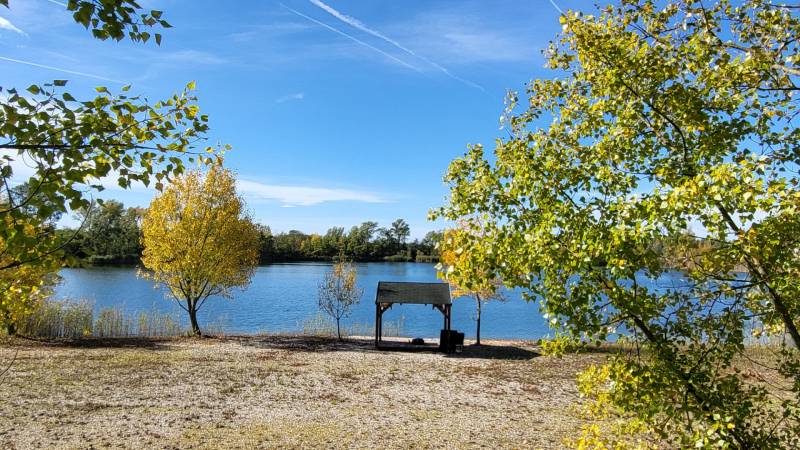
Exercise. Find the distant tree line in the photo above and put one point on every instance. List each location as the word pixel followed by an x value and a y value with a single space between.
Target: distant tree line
pixel 110 234
pixel 365 242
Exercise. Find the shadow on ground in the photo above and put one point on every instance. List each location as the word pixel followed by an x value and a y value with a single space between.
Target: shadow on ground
pixel 300 343
pixel 325 344
pixel 490 351
pixel 91 342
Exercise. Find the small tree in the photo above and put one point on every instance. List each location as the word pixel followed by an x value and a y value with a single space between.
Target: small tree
pixel 476 282
pixel 338 292
pixel 198 240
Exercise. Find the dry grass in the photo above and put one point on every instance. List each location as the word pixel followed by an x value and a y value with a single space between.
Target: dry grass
pixel 283 392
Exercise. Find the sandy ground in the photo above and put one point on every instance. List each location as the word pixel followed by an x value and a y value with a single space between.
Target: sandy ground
pixel 283 392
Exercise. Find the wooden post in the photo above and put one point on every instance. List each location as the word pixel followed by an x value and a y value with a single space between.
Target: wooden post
pixel 377 324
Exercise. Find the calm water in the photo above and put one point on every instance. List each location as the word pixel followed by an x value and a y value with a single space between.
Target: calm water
pixel 282 296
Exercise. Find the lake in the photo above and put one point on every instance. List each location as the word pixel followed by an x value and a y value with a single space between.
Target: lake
pixel 282 296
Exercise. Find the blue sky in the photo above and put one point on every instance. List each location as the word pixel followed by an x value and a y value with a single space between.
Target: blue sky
pixel 338 112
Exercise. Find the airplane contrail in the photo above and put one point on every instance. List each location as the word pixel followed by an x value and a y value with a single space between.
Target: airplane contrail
pixel 352 21
pixel 556 6
pixel 7 25
pixel 58 69
pixel 392 57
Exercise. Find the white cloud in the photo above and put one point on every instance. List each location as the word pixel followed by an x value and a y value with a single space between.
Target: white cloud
pixel 5 24
pixel 290 196
pixel 295 96
pixel 287 195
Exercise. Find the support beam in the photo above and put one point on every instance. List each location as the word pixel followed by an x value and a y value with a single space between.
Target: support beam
pixel 380 308
pixel 377 324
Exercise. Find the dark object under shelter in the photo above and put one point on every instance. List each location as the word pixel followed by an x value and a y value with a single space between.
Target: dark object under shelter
pixel 392 292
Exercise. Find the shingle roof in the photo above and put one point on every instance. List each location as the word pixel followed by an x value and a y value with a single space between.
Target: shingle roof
pixel 416 293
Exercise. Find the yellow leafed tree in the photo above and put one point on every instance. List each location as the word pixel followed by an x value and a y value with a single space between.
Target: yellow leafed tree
pixel 22 289
pixel 24 285
pixel 198 240
pixel 473 279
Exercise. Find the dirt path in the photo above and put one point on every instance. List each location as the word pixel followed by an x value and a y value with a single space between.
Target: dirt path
pixel 283 391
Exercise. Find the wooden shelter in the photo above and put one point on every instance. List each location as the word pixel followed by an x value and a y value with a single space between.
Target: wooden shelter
pixel 392 292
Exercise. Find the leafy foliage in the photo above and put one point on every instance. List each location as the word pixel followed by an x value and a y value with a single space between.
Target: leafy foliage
pixel 399 231
pixel 198 240
pixel 110 234
pixel 22 289
pixel 115 19
pixel 666 115
pixel 473 278
pixel 62 150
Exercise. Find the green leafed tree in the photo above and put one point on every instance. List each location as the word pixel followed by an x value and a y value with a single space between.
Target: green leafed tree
pixel 64 149
pixel 115 19
pixel 430 243
pixel 110 234
pixel 660 117
pixel 400 231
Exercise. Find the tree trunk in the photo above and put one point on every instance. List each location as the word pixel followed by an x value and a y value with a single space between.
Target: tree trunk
pixel 478 327
pixel 756 271
pixel 11 328
pixel 193 318
pixel 338 329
